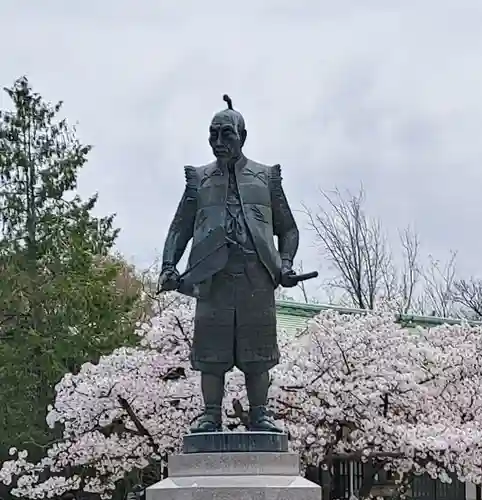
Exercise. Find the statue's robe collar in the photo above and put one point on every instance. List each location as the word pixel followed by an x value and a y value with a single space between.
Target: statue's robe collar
pixel 238 166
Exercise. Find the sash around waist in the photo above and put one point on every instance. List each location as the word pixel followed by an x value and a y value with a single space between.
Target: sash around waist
pixel 239 259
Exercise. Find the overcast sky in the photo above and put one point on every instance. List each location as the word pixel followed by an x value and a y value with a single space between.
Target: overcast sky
pixel 388 93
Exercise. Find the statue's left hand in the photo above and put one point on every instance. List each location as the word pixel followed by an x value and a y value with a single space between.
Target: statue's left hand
pixel 287 275
pixel 168 280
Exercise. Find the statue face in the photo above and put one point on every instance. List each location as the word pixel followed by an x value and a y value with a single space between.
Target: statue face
pixel 224 138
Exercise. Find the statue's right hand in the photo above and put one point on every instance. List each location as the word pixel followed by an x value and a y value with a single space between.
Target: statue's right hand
pixel 169 279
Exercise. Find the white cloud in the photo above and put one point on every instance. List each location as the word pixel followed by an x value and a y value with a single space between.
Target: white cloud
pixel 388 93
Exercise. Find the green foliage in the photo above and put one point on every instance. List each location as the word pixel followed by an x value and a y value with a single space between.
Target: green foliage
pixel 64 299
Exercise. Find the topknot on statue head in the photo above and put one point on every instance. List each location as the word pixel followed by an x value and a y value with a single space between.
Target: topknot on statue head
pixel 230 115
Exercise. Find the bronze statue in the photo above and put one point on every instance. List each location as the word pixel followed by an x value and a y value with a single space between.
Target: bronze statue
pixel 232 208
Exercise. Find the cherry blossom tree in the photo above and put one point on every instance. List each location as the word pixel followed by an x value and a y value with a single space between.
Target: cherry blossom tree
pixel 402 399
pixel 355 387
pixel 126 412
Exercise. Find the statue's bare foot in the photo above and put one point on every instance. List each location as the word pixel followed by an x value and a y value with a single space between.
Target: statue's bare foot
pixel 259 420
pixel 208 422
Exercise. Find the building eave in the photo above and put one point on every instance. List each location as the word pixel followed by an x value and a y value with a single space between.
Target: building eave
pixel 298 309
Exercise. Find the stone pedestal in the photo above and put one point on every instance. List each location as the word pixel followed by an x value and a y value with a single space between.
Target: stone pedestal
pixel 234 466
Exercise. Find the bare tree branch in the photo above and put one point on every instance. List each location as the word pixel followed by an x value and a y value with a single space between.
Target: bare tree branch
pixel 411 270
pixel 439 288
pixel 468 293
pixel 400 284
pixel 302 284
pixel 357 249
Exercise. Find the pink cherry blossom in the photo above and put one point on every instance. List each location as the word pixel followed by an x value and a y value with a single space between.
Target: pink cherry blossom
pixel 358 386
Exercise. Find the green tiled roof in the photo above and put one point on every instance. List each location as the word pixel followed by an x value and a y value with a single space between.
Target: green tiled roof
pixel 291 324
pixel 293 316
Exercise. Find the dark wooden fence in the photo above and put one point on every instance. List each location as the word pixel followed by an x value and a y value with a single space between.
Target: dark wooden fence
pixel 348 479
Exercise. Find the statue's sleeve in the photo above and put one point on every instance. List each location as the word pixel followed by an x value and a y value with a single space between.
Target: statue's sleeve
pixel 284 225
pixel 182 226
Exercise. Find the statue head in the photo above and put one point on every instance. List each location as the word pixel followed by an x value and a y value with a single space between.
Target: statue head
pixel 227 133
